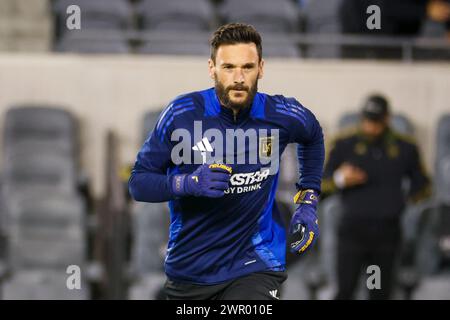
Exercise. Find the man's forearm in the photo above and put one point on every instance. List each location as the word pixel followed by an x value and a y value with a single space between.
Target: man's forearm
pixel 311 158
pixel 150 187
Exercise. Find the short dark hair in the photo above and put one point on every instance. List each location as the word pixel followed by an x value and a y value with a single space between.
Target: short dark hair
pixel 234 33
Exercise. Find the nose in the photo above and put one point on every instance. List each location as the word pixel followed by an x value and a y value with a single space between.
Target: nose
pixel 239 76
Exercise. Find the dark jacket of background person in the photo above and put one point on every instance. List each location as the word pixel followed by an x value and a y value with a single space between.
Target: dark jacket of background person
pixel 387 162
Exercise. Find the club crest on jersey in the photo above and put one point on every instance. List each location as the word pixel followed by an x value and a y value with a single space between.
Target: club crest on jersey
pixel 265 147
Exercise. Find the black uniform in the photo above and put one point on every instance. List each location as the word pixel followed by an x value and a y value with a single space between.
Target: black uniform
pixel 369 230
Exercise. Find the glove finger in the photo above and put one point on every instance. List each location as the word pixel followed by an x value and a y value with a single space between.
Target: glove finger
pixel 212 193
pixel 307 240
pixel 295 240
pixel 219 185
pixel 220 176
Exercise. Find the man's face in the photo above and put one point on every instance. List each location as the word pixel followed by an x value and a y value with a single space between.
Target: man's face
pixel 373 129
pixel 235 73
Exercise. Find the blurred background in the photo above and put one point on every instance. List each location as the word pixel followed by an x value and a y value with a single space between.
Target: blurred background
pixel 76 105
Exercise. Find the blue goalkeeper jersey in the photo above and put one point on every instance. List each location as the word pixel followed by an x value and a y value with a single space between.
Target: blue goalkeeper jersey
pixel 212 240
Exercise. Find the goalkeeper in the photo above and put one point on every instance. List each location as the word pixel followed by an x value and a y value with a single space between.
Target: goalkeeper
pixel 227 239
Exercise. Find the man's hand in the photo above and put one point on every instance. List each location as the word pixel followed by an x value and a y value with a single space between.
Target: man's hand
pixel 208 180
pixel 304 227
pixel 348 175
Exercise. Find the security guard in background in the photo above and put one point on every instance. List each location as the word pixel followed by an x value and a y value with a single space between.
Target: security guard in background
pixel 367 166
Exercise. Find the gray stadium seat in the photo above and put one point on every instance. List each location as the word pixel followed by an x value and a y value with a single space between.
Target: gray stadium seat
pixel 150 230
pixel 399 122
pixel 39 125
pixel 149 122
pixel 442 165
pixel 281 46
pixel 434 256
pixel 150 223
pixel 89 43
pixel 46 231
pixel 349 119
pixel 434 288
pixel 98 14
pixel 175 47
pixel 51 170
pixel 42 285
pixel 329 214
pixel 295 287
pixel 46 234
pixel 402 124
pixel 433 253
pixel 176 15
pixel 322 18
pixel 148 287
pixel 266 15
pixel 288 175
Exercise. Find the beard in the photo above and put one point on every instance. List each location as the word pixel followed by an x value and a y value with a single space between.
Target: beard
pixel 223 94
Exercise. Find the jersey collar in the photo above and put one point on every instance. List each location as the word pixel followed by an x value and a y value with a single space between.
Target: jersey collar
pixel 213 107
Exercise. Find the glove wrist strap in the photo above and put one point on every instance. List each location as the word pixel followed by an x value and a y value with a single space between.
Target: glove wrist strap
pixel 308 196
pixel 178 185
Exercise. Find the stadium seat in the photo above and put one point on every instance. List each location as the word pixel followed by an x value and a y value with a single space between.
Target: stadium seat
pixel 89 43
pixel 150 223
pixel 149 122
pixel 42 285
pixel 433 252
pixel 295 287
pixel 442 164
pixel 321 17
pixel 347 120
pixel 266 15
pixel 149 229
pixel 37 170
pixel 288 175
pixel 52 225
pixel 433 256
pixel 40 150
pixel 402 124
pixel 42 210
pixel 46 234
pixel 329 213
pixel 399 122
pixel 434 288
pixel 176 15
pixel 98 14
pixel 175 47
pixel 33 128
pixel 280 46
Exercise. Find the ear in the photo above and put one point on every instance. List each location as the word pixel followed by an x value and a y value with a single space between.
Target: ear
pixel 212 69
pixel 261 69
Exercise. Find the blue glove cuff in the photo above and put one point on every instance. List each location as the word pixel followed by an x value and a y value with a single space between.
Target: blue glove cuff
pixel 178 185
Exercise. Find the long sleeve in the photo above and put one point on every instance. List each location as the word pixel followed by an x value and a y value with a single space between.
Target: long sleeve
pixel 149 180
pixel 310 150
